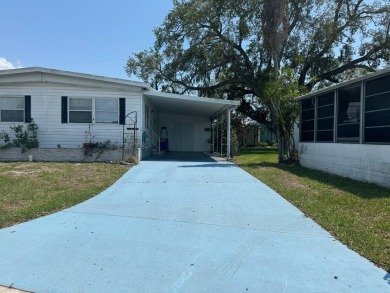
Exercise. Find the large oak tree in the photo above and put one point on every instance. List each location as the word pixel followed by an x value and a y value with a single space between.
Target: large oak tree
pixel 264 52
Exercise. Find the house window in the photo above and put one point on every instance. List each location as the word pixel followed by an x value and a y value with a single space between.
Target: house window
pixel 348 116
pixel 377 110
pixel 307 119
pixel 97 110
pixel 80 110
pixel 106 111
pixel 325 117
pixel 12 109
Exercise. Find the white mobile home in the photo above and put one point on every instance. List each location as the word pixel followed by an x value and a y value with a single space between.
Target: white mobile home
pixel 345 129
pixel 73 109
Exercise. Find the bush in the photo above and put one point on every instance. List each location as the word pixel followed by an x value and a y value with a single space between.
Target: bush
pixel 25 139
pixel 7 143
pixel 132 160
pixel 294 157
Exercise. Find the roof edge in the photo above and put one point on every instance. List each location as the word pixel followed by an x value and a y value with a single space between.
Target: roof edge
pixel 346 83
pixel 74 74
pixel 191 98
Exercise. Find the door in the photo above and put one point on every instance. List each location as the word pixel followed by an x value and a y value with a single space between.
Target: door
pixel 176 138
pixel 188 137
pixel 182 138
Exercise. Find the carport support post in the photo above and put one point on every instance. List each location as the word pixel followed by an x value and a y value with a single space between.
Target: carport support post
pixel 221 135
pixel 213 134
pixel 228 135
pixel 216 150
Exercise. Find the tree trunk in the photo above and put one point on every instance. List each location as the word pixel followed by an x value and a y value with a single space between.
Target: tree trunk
pixel 280 147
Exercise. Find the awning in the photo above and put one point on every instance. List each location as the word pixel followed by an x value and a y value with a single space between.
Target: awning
pixel 189 105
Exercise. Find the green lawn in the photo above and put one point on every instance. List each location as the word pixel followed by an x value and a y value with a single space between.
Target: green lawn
pixel 31 190
pixel 356 213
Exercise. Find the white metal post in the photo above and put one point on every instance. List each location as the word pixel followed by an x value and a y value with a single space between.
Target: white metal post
pixel 217 134
pixel 213 134
pixel 221 135
pixel 228 135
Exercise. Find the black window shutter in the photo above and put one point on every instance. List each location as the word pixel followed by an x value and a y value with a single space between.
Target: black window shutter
pixel 27 109
pixel 122 111
pixel 64 109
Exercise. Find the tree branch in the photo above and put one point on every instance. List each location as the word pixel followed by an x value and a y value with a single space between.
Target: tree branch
pixel 351 65
pixel 208 88
pixel 258 115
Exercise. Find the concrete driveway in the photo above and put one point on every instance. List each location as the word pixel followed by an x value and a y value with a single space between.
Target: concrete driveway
pixel 176 226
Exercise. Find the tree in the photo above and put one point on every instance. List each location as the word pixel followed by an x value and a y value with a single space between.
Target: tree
pixel 241 49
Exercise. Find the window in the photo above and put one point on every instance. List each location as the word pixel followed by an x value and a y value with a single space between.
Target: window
pixel 377 110
pixel 325 117
pixel 98 110
pixel 353 123
pixel 80 110
pixel 307 119
pixel 12 109
pixel 348 116
pixel 106 111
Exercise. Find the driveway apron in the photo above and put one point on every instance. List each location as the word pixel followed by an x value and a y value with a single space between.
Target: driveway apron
pixel 182 227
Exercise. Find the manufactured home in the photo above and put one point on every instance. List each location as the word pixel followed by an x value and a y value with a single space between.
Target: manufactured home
pixel 74 111
pixel 345 129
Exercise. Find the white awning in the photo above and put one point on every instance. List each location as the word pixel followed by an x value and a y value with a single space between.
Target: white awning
pixel 189 105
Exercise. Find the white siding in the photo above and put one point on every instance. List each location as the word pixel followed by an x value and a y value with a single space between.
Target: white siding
pixel 46 112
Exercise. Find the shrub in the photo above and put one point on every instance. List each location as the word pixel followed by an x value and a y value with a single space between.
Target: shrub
pixel 25 139
pixel 132 160
pixel 6 140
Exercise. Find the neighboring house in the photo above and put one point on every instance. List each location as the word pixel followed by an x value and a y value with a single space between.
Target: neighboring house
pixel 345 129
pixel 252 137
pixel 72 109
pixel 258 133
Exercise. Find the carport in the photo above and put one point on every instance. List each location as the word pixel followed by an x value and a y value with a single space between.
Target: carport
pixel 192 124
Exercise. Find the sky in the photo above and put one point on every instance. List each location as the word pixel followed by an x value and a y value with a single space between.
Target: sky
pixel 86 36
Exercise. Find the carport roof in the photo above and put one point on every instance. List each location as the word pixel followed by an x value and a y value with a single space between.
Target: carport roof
pixel 188 105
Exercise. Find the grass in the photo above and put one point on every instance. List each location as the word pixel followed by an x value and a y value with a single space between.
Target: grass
pixel 356 213
pixel 31 190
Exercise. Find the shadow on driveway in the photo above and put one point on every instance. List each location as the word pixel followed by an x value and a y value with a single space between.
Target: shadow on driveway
pixel 227 165
pixel 182 157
